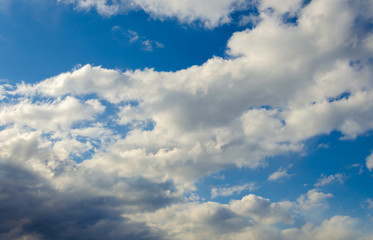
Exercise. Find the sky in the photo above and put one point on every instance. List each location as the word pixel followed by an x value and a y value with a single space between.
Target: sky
pixel 162 119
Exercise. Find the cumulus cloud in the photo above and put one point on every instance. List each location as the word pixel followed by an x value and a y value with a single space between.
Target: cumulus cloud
pixel 338 227
pixel 313 199
pixel 145 137
pixel 251 217
pixel 212 220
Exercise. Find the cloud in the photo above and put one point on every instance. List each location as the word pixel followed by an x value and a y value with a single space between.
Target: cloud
pixel 143 137
pixel 229 191
pixel 210 220
pixel 326 180
pixel 133 36
pixel 251 217
pixel 368 203
pixel 209 13
pixel 313 199
pixel 45 197
pixel 323 146
pixel 279 174
pixel 337 227
pixel 262 210
pixel 369 162
pixel 234 111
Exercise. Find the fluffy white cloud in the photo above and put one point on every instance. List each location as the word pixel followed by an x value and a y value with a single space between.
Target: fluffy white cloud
pixel 210 13
pixel 212 220
pixel 279 174
pixel 338 228
pixel 252 217
pixel 59 114
pixel 312 199
pixel 262 210
pixel 234 111
pixel 280 85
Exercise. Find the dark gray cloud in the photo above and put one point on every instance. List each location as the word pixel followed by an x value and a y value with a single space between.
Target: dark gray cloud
pixel 31 207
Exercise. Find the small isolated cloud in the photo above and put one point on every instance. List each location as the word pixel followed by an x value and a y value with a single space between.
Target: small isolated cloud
pixel 369 162
pixel 357 165
pixel 313 198
pixel 323 145
pixel 133 36
pixel 229 191
pixel 326 180
pixel 281 173
pixel 368 203
pixel 147 45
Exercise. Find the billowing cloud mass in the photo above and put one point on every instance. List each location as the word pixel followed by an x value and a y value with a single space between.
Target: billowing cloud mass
pixel 97 153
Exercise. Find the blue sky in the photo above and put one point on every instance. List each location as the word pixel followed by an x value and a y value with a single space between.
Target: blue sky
pixel 156 119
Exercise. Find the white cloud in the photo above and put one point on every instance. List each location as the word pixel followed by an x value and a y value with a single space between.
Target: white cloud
pixel 210 13
pixel 338 228
pixel 326 180
pixel 369 162
pixel 211 116
pixel 229 191
pixel 279 174
pixel 218 221
pixel 262 210
pixel 252 217
pixel 313 199
pixel 49 116
pixel 133 36
pixel 291 6
pixel 238 110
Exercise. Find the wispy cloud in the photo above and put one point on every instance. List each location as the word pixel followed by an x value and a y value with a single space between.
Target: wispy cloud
pixel 229 191
pixel 368 203
pixel 280 174
pixel 334 178
pixel 133 36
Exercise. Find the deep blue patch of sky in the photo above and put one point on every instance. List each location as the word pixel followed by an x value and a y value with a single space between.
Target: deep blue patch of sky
pixel 41 40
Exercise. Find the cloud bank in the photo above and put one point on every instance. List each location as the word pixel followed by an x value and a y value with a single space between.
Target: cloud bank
pixel 104 154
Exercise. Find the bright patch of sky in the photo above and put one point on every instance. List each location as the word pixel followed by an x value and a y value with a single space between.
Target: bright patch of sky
pixel 161 119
